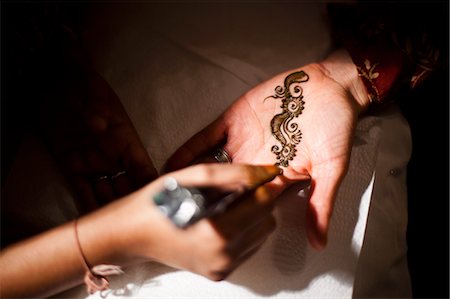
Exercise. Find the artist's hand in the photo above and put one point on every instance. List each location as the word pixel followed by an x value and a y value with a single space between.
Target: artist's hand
pixel 333 97
pixel 211 247
pixel 133 229
pixel 92 138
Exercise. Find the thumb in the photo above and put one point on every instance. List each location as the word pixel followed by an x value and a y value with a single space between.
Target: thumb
pixel 320 208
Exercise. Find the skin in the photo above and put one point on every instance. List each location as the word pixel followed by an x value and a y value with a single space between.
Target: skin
pixel 90 135
pixel 334 97
pixel 50 262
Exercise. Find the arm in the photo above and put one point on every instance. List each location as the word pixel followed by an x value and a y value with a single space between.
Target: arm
pixel 47 263
pixel 133 230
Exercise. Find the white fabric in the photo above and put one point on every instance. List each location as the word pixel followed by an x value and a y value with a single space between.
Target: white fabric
pixel 176 67
pixel 383 270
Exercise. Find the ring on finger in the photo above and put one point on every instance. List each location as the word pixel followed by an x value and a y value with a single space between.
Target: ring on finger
pixel 221 156
pixel 118 174
pixel 101 178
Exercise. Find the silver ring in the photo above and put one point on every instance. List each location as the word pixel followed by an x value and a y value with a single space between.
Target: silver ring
pixel 100 178
pixel 221 156
pixel 113 177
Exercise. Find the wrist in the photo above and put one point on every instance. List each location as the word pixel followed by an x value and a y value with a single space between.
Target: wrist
pixel 340 67
pixel 108 235
pixel 127 231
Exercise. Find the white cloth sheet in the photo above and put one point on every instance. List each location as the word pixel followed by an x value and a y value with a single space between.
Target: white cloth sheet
pixel 176 67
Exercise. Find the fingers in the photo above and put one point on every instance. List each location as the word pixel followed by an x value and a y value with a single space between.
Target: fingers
pixel 320 208
pixel 219 244
pixel 245 246
pixel 253 237
pixel 83 190
pixel 106 188
pixel 97 104
pixel 92 137
pixel 200 144
pixel 122 184
pixel 245 229
pixel 225 175
pixel 255 201
pixel 249 206
pixel 138 164
pixel 246 214
pixel 103 190
pixel 107 179
pixel 240 233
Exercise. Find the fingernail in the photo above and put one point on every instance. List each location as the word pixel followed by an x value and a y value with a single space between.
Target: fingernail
pixel 265 173
pixel 320 242
pixel 317 240
pixel 272 170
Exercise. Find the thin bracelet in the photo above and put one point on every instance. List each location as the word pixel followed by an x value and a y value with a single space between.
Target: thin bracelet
pixel 80 250
pixel 95 277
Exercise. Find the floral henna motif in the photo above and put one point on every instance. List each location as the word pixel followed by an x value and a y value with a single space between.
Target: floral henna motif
pixel 370 75
pixel 283 129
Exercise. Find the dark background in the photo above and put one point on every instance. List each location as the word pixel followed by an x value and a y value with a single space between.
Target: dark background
pixel 428 187
pixel 427 110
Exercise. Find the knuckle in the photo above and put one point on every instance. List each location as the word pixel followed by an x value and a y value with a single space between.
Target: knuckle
pixel 249 174
pixel 264 198
pixel 217 276
pixel 223 262
pixel 215 242
pixel 219 267
pixel 204 172
pixel 219 246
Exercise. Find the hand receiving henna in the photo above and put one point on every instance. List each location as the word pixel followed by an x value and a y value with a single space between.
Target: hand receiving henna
pixel 302 120
pixel 92 139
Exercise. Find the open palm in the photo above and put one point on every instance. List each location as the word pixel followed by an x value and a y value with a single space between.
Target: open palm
pixel 315 143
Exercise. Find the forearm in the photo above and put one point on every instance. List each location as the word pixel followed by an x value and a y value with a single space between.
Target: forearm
pixel 51 262
pixel 42 265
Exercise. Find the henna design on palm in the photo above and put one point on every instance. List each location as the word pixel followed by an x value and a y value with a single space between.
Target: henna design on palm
pixel 283 128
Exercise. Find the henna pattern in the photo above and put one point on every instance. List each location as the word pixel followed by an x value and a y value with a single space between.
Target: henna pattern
pixel 283 129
